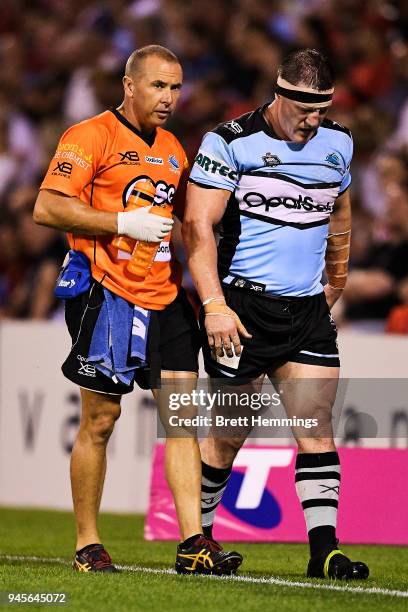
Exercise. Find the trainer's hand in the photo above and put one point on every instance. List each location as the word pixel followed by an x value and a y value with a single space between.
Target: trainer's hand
pixel 224 327
pixel 332 295
pixel 141 225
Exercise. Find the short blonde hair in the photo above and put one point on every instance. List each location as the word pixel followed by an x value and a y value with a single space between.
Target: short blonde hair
pixel 135 60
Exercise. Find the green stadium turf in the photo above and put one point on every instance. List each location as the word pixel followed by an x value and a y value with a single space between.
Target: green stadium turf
pixel 36 551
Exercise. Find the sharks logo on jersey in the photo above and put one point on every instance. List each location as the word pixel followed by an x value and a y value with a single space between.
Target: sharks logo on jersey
pixel 274 229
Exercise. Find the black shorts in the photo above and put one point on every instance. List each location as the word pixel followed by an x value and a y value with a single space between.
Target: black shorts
pixel 299 329
pixel 173 343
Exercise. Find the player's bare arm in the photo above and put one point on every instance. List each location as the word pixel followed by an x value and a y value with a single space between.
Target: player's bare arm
pixel 204 209
pixel 70 214
pixel 338 248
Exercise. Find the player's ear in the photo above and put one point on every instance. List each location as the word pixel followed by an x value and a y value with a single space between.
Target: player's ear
pixel 128 85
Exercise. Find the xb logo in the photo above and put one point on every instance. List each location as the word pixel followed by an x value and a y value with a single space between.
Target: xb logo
pixel 63 167
pixel 247 496
pixel 130 157
pixel 86 369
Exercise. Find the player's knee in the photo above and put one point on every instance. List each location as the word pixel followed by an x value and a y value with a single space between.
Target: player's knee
pixel 226 450
pixel 319 420
pixel 99 426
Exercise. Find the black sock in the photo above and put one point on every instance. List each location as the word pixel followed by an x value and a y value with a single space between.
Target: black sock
pixel 213 484
pixel 322 540
pixel 317 485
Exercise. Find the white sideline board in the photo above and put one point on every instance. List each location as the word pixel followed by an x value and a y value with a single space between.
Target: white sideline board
pixel 39 416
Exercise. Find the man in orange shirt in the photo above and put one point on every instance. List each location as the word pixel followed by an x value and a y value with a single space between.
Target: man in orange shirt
pixel 85 192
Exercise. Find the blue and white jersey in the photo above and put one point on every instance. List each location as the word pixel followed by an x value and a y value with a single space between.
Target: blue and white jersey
pixel 274 230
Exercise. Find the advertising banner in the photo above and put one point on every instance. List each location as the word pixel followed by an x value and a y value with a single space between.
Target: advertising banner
pixel 260 502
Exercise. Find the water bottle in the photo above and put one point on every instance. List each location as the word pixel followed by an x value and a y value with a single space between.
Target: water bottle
pixel 142 195
pixel 144 252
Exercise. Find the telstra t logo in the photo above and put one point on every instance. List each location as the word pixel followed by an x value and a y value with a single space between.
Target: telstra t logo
pixel 247 496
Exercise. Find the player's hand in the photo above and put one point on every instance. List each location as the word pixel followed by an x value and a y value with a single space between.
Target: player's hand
pixel 332 295
pixel 224 327
pixel 140 224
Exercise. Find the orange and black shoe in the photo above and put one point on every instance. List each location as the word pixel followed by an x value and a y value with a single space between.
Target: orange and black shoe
pixel 93 558
pixel 337 567
pixel 201 555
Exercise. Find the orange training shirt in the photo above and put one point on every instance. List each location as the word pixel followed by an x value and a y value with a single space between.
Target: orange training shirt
pixel 98 161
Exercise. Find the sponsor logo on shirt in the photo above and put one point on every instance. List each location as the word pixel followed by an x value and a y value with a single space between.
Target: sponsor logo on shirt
pixel 65 146
pixel 254 200
pixel 62 169
pixel 163 252
pixel 129 158
pixel 332 158
pixel 234 127
pixel 174 165
pixel 74 158
pixel 271 160
pixel 215 167
pixel 164 191
pixel 158 161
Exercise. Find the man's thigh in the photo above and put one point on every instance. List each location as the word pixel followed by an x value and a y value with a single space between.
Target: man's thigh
pixel 99 406
pixel 176 407
pixel 307 392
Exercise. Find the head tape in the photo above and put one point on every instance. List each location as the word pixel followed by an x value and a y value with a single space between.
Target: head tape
pixel 305 95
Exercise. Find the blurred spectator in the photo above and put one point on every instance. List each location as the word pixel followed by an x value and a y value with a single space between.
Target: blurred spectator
pixel 11 262
pixel 60 64
pixel 375 283
pixel 8 161
pixel 31 256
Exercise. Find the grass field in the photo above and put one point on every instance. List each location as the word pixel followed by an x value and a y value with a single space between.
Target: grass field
pixel 36 551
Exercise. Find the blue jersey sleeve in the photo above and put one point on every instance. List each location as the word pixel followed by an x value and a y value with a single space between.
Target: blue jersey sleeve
pixel 345 183
pixel 214 165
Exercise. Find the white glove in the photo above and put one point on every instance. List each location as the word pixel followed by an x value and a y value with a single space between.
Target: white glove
pixel 141 225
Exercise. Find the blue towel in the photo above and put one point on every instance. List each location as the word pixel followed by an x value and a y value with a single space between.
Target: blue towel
pixel 118 345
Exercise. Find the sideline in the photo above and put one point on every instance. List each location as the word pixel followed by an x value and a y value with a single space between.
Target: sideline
pixel 250 579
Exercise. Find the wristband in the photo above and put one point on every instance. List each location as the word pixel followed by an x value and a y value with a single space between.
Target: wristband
pixel 213 299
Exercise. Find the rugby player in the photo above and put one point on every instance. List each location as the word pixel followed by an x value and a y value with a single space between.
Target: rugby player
pixel 277 180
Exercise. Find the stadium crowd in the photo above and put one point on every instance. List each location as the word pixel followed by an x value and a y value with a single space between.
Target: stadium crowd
pixel 62 61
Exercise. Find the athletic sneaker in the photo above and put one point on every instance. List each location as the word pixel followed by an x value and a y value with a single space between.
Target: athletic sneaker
pixel 206 556
pixel 337 566
pixel 93 558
